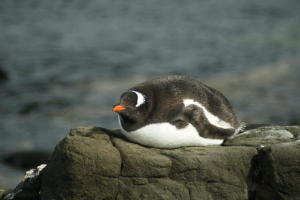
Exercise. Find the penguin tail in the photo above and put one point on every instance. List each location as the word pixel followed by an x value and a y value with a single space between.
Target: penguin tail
pixel 239 129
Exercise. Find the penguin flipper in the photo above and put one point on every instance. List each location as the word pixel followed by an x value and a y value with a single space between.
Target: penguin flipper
pixel 195 115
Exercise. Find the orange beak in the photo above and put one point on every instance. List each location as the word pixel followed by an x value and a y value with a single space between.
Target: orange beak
pixel 118 108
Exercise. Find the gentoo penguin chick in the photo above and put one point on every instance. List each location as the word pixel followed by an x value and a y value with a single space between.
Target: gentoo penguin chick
pixel 175 111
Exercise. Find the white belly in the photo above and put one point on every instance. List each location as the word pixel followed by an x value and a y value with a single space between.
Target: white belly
pixel 165 135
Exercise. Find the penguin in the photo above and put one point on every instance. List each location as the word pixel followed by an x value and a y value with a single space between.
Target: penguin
pixel 175 111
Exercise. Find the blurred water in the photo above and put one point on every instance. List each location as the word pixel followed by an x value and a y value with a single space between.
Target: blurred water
pixel 69 60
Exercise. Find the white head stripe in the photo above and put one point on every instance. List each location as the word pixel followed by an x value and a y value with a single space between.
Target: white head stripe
pixel 140 98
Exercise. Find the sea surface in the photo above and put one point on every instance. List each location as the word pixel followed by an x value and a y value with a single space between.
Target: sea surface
pixel 68 61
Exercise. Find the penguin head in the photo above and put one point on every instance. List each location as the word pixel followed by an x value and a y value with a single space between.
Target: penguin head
pixel 132 109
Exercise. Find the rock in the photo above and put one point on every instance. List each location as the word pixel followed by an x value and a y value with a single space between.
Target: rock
pixel 153 188
pixel 210 172
pixel 95 163
pixel 264 136
pixel 295 130
pixel 3 191
pixel 29 188
pixel 275 173
pixel 91 164
pixel 139 161
pixel 84 165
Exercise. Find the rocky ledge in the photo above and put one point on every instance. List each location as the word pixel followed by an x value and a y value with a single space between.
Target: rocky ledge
pixel 95 163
